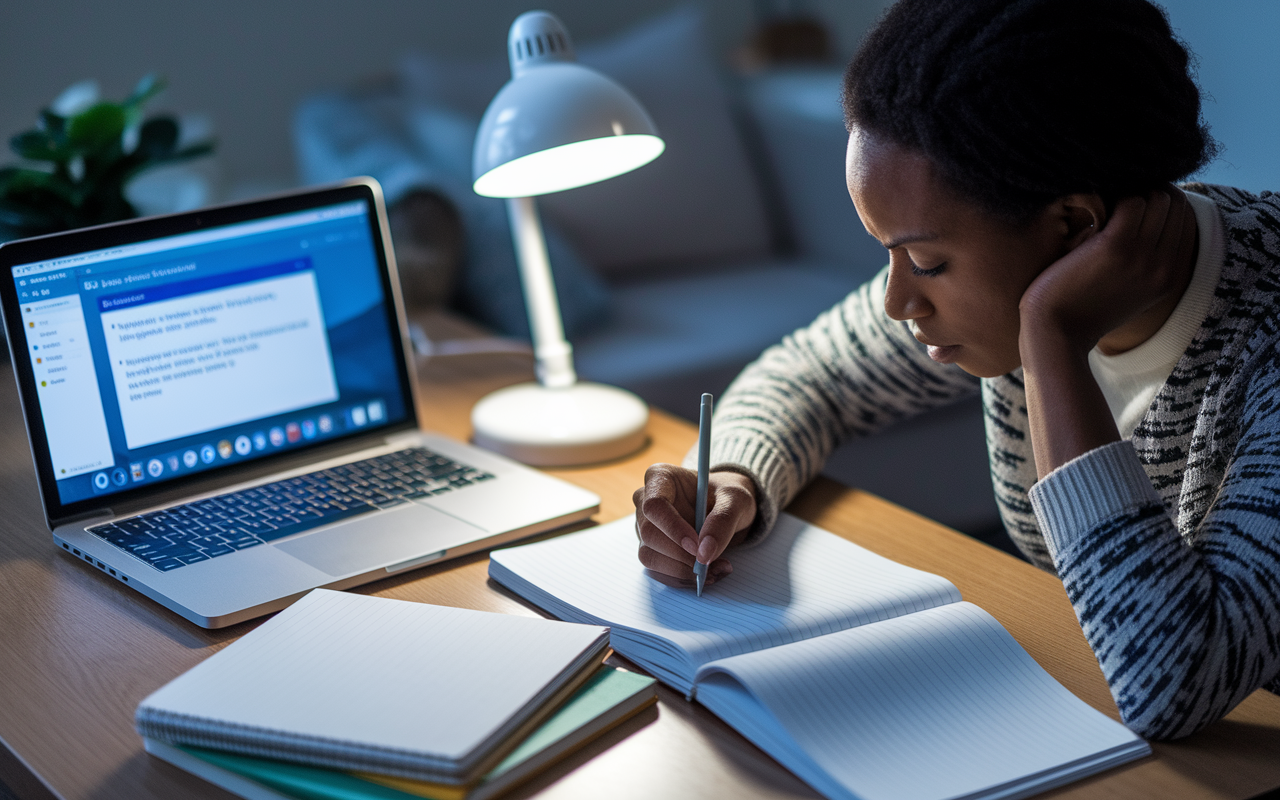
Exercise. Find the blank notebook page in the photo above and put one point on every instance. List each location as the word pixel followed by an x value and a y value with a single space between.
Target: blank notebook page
pixel 939 704
pixel 801 581
pixel 368 670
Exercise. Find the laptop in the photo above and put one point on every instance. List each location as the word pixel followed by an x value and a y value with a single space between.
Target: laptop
pixel 221 408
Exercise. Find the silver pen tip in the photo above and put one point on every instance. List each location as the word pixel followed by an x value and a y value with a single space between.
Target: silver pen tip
pixel 700 573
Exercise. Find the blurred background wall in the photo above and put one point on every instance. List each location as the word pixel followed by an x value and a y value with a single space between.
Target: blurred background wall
pixel 244 64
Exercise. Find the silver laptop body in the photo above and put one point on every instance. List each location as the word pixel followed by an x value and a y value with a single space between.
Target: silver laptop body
pixel 255 352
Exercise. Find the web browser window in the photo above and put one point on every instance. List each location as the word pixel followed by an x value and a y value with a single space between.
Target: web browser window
pixel 168 357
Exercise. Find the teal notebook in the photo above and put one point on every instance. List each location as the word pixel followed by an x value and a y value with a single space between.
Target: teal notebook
pixel 606 700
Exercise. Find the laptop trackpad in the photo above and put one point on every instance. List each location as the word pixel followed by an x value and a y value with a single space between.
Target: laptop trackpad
pixel 381 539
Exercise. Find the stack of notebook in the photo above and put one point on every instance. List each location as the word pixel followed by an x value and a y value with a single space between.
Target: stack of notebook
pixel 347 696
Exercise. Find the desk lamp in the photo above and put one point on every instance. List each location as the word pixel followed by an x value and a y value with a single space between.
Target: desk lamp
pixel 556 125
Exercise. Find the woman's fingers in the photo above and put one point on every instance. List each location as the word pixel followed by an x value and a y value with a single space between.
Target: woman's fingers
pixel 682 579
pixel 1179 220
pixel 1187 245
pixel 664 512
pixel 1127 219
pixel 1155 216
pixel 661 562
pixel 732 512
pixel 667 501
pixel 664 520
pixel 657 540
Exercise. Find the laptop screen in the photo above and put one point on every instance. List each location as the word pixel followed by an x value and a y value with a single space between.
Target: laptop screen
pixel 159 359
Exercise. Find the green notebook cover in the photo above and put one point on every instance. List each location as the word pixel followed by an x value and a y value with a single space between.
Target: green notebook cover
pixel 601 695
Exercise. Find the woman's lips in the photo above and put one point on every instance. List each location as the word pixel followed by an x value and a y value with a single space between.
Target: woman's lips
pixel 943 355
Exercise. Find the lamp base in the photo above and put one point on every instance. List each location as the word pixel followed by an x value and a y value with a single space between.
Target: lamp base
pixel 559 427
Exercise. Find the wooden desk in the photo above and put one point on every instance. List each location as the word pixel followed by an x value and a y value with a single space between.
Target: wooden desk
pixel 78 651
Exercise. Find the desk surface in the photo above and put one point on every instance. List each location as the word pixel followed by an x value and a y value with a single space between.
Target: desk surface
pixel 78 651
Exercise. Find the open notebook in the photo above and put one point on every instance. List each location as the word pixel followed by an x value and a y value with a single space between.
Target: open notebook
pixel 865 678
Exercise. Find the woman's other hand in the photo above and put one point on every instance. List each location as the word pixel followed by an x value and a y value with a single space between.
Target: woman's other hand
pixel 1122 271
pixel 1113 289
pixel 664 520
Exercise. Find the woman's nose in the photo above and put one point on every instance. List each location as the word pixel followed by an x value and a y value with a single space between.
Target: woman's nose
pixel 903 299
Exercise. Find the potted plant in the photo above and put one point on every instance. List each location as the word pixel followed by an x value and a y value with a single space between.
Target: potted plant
pixel 81 157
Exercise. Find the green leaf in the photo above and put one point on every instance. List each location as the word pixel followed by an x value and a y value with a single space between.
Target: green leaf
pixel 158 137
pixel 54 125
pixel 23 184
pixel 147 88
pixel 97 127
pixel 38 146
pixel 17 179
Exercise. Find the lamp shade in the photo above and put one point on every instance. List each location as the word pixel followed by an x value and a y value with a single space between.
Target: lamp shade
pixel 556 124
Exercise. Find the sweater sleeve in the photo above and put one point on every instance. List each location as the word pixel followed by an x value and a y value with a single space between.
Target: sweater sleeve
pixel 852 372
pixel 1183 632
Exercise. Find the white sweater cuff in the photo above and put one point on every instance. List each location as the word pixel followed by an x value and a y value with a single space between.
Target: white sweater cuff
pixel 1088 490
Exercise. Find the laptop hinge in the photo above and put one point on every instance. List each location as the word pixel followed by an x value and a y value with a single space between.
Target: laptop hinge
pixel 86 519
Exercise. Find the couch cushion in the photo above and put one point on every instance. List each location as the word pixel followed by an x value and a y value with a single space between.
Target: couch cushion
pixel 698 202
pixel 800 123
pixel 707 321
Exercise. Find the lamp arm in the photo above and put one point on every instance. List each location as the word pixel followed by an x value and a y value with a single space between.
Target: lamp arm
pixel 553 353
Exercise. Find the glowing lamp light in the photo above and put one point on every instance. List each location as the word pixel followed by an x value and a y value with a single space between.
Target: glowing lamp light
pixel 569 166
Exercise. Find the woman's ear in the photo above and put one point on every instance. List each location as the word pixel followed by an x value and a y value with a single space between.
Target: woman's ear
pixel 1081 216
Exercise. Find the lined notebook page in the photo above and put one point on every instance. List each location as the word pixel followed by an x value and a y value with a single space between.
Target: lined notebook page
pixel 940 704
pixel 802 581
pixel 376 673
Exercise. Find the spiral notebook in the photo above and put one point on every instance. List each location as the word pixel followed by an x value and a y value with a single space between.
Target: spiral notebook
pixel 346 681
pixel 868 679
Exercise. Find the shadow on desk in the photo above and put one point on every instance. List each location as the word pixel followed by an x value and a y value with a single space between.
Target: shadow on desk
pixel 588 753
pixel 6 794
pixel 1222 743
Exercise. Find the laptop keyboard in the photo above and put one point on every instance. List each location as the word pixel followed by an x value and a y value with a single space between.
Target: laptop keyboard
pixel 217 526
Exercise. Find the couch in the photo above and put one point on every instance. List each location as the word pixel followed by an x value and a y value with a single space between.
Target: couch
pixel 674 277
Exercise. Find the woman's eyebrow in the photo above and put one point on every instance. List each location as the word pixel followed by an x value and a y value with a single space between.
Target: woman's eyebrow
pixel 909 239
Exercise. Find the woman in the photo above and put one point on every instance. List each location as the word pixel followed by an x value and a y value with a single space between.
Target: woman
pixel 1017 160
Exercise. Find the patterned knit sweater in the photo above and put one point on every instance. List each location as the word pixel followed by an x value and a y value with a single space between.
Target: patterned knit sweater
pixel 1168 543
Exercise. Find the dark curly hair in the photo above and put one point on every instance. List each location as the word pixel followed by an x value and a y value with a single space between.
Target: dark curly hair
pixel 1019 102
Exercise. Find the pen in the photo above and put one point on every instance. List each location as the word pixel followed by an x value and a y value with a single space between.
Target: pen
pixel 704 467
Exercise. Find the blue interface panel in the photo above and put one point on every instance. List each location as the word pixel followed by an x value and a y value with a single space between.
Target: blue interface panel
pixel 160 359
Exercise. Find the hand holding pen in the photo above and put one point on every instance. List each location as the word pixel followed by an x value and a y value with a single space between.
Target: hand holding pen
pixel 670 544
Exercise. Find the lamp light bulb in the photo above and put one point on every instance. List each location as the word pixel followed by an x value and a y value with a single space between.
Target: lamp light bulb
pixel 569 166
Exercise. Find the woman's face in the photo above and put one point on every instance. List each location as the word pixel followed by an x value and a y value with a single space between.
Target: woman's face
pixel 956 273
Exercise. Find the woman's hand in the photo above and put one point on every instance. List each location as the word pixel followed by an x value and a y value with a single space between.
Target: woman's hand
pixel 664 520
pixel 1134 265
pixel 1116 286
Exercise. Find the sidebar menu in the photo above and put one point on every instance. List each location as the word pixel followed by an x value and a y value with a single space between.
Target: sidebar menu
pixel 67 385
